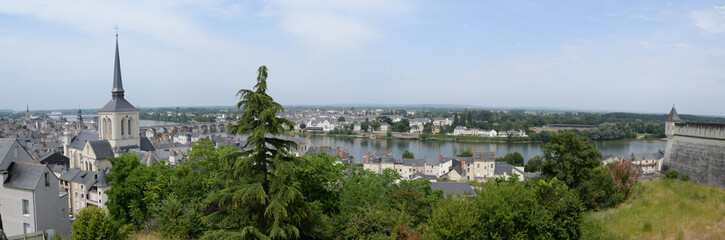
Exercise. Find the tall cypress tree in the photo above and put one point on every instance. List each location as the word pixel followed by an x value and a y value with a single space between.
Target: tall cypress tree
pixel 259 201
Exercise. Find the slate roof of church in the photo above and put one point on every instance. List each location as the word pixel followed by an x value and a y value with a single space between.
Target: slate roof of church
pixel 102 148
pixel 118 105
pixel 79 141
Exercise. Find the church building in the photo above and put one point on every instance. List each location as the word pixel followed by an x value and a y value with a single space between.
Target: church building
pixel 118 132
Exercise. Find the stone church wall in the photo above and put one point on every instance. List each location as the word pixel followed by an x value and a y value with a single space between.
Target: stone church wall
pixel 698 150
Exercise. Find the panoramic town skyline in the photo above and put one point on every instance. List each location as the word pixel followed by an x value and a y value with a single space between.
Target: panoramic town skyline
pixel 615 56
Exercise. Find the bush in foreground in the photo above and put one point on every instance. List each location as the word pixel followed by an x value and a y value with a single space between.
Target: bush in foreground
pixel 93 223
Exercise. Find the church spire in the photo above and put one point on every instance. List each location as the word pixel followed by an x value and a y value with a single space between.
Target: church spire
pixel 117 91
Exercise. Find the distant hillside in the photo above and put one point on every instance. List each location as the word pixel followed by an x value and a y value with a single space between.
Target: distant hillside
pixel 7 110
pixel 665 209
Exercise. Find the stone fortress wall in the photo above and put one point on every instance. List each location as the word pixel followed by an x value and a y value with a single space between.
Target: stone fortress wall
pixel 696 149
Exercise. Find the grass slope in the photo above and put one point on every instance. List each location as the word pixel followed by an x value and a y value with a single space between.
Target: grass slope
pixel 664 209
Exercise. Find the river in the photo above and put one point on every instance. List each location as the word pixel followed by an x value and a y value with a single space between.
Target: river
pixel 420 148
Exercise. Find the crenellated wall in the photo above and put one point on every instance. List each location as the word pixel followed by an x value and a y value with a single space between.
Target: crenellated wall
pixel 698 150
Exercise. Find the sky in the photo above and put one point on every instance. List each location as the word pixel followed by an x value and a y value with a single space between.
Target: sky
pixel 630 56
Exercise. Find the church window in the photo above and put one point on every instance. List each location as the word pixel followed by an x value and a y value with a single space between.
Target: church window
pixel 122 127
pixel 129 126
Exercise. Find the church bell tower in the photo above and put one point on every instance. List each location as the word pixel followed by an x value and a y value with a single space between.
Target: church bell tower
pixel 118 120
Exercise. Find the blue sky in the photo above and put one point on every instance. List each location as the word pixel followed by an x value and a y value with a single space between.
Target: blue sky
pixel 634 56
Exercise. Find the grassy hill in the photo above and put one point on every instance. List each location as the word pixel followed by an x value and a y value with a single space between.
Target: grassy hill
pixel 664 209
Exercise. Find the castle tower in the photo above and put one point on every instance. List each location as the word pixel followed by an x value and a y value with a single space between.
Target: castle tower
pixel 670 122
pixel 79 119
pixel 118 120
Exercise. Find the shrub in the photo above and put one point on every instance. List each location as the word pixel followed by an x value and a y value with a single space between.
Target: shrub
pixel 672 174
pixel 508 209
pixel 625 174
pixel 94 223
pixel 684 177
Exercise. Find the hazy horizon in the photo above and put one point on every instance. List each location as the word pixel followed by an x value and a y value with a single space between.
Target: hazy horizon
pixel 613 56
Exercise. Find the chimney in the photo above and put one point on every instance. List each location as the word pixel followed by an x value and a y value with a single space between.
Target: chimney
pixel 337 149
pixel 494 154
pixel 426 157
pixel 345 151
pixel 463 164
pixel 474 151
pixel 376 150
pixel 329 148
pixel 390 150
pixel 481 156
pixel 440 157
pixel 340 153
pixel 367 157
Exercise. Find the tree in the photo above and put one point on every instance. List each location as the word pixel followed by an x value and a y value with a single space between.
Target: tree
pixel 93 223
pixel 533 165
pixel 508 209
pixel 260 200
pixel 375 125
pixel 408 155
pixel 365 125
pixel 428 128
pixel 341 119
pixel 514 158
pixel 465 154
pixel 570 158
pixel 402 126
pixel 136 190
pixel 303 126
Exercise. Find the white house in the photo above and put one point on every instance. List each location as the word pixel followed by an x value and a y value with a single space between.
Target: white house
pixel 460 131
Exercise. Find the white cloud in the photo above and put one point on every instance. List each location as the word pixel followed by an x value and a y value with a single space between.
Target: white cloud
pixel 645 45
pixel 710 20
pixel 683 45
pixel 334 27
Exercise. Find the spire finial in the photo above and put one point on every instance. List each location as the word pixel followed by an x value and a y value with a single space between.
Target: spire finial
pixel 116 27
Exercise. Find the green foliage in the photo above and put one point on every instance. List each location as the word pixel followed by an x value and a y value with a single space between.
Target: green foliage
pixel 671 174
pixel 465 154
pixel 533 165
pixel 365 125
pixel 375 125
pixel 508 209
pixel 260 200
pixel 402 126
pixel 135 190
pixel 341 119
pixel 317 181
pixel 514 158
pixel 408 155
pixel 570 158
pixel 684 177
pixel 303 126
pixel 93 223
pixel 373 206
pixel 600 191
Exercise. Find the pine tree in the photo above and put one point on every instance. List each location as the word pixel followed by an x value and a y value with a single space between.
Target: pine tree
pixel 259 201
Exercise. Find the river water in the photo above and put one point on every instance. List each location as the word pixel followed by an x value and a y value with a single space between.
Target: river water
pixel 420 148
